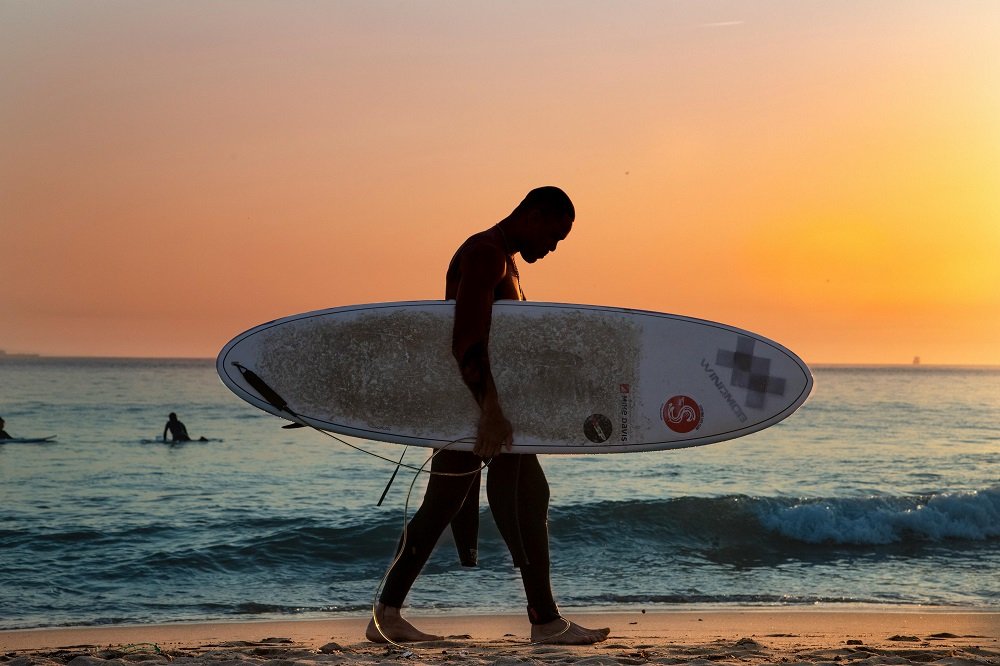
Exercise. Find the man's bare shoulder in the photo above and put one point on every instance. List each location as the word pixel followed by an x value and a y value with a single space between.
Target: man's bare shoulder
pixel 482 249
pixel 484 239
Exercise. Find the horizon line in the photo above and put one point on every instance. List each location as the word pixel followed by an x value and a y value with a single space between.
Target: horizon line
pixel 819 364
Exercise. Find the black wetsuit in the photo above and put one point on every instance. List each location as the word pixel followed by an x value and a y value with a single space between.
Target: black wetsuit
pixel 519 498
pixel 519 501
pixel 178 432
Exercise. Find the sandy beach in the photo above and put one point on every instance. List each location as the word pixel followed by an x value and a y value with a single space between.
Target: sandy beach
pixel 689 637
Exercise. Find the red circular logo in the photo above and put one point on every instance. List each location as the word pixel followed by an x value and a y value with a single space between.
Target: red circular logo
pixel 681 413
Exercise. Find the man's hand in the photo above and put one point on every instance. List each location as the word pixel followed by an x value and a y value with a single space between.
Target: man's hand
pixel 495 432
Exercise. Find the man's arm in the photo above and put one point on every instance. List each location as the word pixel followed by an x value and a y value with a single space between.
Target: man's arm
pixel 483 267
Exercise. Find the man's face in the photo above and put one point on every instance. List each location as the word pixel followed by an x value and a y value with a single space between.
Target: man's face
pixel 546 233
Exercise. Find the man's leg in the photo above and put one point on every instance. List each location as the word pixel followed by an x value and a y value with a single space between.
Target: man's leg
pixel 519 499
pixel 442 500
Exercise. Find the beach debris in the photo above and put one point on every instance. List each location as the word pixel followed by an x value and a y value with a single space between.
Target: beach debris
pixel 516 660
pixel 332 647
pixel 456 654
pixel 604 660
pixel 639 656
pixel 398 653
pixel 87 660
pixel 10 660
pixel 287 653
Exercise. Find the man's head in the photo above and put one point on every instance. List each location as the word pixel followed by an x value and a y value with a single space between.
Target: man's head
pixel 548 216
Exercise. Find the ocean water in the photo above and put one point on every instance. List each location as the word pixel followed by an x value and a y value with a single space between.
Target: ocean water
pixel 884 488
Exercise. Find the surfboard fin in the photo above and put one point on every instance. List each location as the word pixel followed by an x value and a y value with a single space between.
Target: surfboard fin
pixel 465 527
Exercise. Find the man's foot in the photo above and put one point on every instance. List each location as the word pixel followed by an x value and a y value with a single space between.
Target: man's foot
pixel 564 632
pixel 394 628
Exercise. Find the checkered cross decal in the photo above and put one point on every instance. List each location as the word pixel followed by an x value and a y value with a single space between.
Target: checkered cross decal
pixel 750 372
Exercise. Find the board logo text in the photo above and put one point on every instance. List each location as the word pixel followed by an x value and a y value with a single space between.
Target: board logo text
pixel 726 395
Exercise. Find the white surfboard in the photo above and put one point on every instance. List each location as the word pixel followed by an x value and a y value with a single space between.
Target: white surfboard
pixel 571 378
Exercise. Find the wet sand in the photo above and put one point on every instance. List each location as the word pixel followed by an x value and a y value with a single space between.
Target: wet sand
pixel 750 636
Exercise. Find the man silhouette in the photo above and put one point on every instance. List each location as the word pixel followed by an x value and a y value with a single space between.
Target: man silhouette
pixel 481 272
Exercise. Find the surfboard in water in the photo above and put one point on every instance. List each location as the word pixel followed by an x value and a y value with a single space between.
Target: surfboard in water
pixel 571 378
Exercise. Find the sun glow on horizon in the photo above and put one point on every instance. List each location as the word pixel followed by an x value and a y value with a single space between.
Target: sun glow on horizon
pixel 824 175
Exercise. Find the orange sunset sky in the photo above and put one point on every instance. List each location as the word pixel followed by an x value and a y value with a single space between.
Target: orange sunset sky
pixel 826 174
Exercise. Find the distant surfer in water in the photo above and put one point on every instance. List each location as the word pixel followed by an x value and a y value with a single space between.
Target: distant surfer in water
pixel 481 272
pixel 178 431
pixel 3 433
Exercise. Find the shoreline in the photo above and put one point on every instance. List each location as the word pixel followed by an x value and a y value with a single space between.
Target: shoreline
pixel 638 609
pixel 757 635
